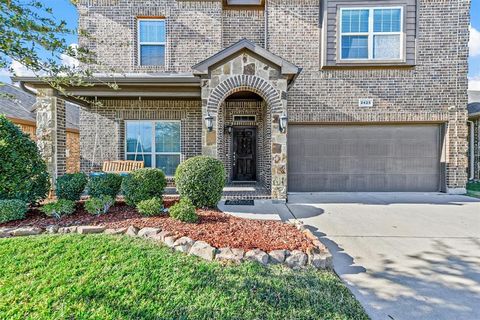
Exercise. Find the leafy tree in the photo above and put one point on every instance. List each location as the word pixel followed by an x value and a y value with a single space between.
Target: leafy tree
pixel 23 173
pixel 29 31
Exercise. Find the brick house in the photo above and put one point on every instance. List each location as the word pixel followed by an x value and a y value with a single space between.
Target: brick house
pixel 19 107
pixel 292 95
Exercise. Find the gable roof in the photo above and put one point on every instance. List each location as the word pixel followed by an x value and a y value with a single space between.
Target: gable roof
pixel 474 109
pixel 244 44
pixel 18 104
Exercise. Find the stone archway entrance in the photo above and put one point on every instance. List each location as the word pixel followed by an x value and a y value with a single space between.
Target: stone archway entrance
pixel 247 69
pixel 273 155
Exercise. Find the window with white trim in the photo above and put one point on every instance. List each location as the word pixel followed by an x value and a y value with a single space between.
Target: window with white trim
pixel 151 42
pixel 156 143
pixel 371 33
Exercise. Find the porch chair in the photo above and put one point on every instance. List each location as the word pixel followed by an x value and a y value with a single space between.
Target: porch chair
pixel 121 166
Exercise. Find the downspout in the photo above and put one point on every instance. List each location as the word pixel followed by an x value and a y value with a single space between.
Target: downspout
pixel 472 149
pixel 265 12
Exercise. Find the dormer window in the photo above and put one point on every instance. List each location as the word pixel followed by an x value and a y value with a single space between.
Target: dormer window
pixel 244 2
pixel 238 4
pixel 151 42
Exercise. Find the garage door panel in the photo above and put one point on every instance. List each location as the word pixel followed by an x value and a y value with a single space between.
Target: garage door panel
pixel 364 158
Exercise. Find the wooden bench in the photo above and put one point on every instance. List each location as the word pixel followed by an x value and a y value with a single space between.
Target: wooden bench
pixel 121 166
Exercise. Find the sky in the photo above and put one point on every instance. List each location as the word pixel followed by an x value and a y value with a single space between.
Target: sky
pixel 64 10
pixel 474 61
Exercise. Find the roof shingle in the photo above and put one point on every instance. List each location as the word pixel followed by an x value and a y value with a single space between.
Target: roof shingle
pixel 18 104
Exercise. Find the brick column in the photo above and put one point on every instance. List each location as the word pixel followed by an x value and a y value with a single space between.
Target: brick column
pixel 51 133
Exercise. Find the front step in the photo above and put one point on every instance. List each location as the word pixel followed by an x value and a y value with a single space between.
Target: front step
pixel 245 192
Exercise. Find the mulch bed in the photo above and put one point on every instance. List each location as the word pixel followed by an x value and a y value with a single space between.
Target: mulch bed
pixel 214 227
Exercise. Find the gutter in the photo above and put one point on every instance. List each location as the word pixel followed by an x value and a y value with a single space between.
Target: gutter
pixel 136 80
pixel 472 150
pixel 26 89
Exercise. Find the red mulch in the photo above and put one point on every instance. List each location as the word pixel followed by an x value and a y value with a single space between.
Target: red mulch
pixel 214 227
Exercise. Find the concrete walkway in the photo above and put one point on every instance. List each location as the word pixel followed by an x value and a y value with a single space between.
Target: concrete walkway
pixel 404 255
pixel 262 210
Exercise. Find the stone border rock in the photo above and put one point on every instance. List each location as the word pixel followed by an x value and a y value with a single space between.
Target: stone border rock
pixel 317 257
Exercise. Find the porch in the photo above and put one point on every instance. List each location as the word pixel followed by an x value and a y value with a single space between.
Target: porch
pixel 237 191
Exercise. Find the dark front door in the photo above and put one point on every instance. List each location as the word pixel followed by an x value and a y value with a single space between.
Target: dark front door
pixel 244 154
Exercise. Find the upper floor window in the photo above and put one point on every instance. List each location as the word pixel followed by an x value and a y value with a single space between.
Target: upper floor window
pixel 151 42
pixel 371 33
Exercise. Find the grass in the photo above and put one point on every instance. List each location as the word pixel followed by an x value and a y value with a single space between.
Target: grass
pixel 473 189
pixel 105 277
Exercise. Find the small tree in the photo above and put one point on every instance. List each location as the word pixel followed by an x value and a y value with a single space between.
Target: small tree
pixel 23 173
pixel 33 35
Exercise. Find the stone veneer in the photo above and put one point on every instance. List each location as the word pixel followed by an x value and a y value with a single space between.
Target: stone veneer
pixel 246 72
pixel 51 132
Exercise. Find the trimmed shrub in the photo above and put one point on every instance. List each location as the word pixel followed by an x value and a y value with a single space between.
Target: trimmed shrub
pixel 201 179
pixel 23 173
pixel 184 211
pixel 59 208
pixel 150 207
pixel 12 210
pixel 104 185
pixel 100 205
pixel 143 184
pixel 71 186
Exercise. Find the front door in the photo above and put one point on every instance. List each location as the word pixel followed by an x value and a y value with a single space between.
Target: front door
pixel 244 154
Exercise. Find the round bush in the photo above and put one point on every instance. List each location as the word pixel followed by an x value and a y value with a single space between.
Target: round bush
pixel 23 173
pixel 107 184
pixel 184 211
pixel 71 186
pixel 59 208
pixel 98 206
pixel 12 210
pixel 201 179
pixel 150 207
pixel 143 184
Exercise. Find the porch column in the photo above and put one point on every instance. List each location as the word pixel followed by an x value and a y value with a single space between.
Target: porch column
pixel 51 133
pixel 279 154
pixel 209 138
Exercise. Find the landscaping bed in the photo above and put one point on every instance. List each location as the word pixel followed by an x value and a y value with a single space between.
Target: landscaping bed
pixel 214 227
pixel 473 189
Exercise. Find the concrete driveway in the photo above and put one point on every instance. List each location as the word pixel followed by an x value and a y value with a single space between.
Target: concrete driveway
pixel 403 255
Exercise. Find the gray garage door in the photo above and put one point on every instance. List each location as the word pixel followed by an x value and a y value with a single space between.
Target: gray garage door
pixel 350 158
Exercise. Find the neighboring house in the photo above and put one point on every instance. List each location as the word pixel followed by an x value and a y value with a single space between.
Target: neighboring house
pixel 292 95
pixel 19 106
pixel 473 96
pixel 474 134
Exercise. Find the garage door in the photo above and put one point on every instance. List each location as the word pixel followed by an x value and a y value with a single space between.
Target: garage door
pixel 362 158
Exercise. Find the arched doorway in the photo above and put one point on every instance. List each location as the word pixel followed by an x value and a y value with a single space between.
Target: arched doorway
pixel 243 139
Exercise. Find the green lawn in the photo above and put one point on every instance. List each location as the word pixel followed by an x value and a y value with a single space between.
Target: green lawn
pixel 473 189
pixel 105 277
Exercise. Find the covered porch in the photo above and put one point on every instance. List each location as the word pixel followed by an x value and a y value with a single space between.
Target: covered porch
pixel 233 107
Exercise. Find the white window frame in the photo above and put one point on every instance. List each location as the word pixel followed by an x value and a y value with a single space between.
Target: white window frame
pixel 153 153
pixel 140 44
pixel 371 34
